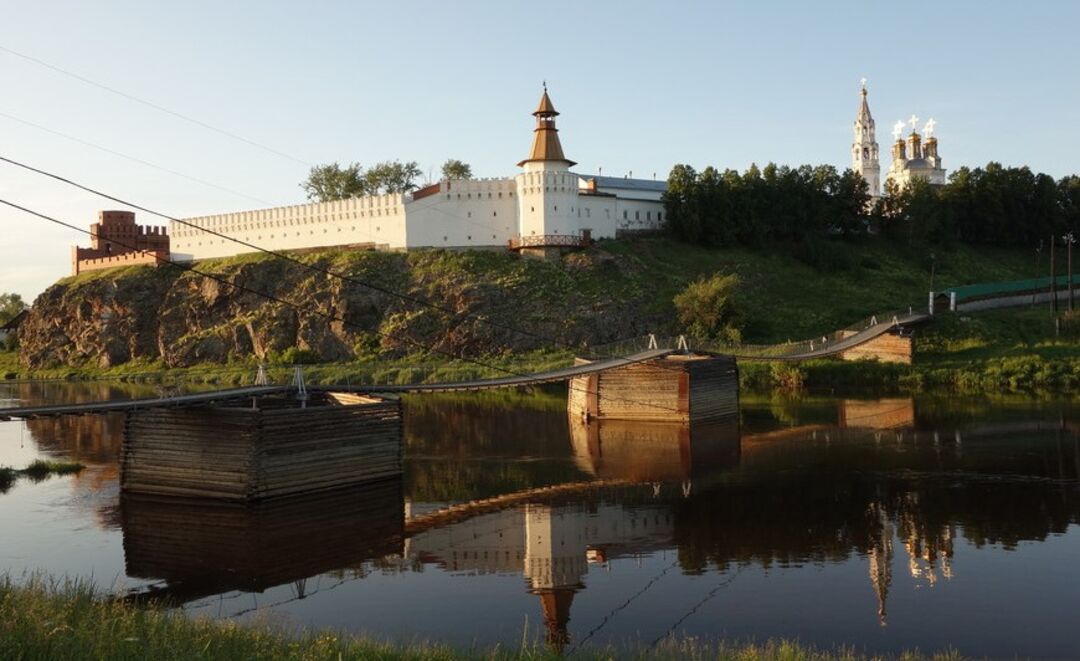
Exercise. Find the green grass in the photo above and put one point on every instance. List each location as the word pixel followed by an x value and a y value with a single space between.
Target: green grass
pixel 38 470
pixel 51 619
pixel 782 299
pixel 1008 350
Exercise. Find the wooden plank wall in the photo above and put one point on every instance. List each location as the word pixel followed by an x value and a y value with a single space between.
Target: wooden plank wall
pixel 887 348
pixel 244 454
pixel 714 388
pixel 322 448
pixel 644 391
pixel 203 452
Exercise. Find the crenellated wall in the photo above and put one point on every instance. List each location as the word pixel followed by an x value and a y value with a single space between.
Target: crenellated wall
pixel 374 219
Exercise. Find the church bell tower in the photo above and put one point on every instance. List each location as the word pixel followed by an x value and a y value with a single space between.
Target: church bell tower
pixel 864 151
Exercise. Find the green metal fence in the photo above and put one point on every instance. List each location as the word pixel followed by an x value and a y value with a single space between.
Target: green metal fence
pixel 997 289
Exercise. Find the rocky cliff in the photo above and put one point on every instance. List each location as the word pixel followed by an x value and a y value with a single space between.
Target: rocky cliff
pixel 264 306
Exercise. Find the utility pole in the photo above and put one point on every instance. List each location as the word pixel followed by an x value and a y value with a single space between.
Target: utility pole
pixel 1069 241
pixel 1053 288
pixel 1035 288
pixel 933 263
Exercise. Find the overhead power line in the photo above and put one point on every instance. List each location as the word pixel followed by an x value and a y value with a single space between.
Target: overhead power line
pixel 155 106
pixel 294 260
pixel 134 159
pixel 311 311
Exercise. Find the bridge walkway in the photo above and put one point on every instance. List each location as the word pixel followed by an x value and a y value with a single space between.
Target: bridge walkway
pixel 240 394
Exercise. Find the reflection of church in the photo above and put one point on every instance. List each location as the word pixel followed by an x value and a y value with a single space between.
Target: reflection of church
pixel 929 552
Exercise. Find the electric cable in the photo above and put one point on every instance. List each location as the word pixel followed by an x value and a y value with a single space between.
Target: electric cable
pixel 155 106
pixel 328 317
pixel 294 260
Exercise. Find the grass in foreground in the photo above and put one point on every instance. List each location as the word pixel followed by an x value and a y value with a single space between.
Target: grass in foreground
pixel 49 619
pixel 38 470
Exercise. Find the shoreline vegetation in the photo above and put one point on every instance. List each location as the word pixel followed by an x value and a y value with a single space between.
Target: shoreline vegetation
pixel 1009 350
pixel 773 297
pixel 48 618
pixel 38 471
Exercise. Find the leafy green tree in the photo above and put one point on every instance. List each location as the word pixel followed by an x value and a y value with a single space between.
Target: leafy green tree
pixel 707 308
pixel 326 183
pixel 392 177
pixel 455 169
pixel 10 305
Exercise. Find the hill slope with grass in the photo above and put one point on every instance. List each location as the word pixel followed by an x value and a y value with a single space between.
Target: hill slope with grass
pixel 480 303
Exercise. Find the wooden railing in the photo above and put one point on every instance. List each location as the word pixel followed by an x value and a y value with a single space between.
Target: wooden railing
pixel 549 241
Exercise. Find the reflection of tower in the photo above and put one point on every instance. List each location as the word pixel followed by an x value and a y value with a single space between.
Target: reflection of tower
pixel 554 564
pixel 881 556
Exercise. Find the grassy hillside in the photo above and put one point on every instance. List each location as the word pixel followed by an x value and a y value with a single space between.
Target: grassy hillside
pixel 617 289
pixel 787 298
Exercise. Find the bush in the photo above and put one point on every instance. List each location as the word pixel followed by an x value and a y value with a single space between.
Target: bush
pixel 1070 325
pixel 707 309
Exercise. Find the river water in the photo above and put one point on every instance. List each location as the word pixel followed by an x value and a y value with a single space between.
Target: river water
pixel 883 524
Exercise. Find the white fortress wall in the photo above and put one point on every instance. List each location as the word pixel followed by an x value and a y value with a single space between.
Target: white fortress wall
pixel 463 213
pixel 375 219
pixel 547 202
pixel 597 213
pixel 639 215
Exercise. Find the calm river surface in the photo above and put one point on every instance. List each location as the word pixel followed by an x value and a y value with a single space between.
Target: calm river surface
pixel 884 524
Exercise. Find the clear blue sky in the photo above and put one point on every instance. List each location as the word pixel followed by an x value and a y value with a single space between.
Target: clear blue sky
pixel 641 86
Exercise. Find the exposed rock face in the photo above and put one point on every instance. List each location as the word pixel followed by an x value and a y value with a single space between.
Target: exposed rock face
pixel 478 303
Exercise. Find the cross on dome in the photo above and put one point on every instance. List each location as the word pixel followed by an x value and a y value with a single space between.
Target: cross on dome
pixel 898 129
pixel 929 128
pixel 914 121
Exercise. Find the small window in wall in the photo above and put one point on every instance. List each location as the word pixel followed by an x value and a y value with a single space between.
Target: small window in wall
pixel 468 214
pixel 588 213
pixel 444 238
pixel 494 214
pixel 648 215
pixel 637 215
pixel 532 208
pixel 659 215
pixel 469 237
pixel 500 195
pixel 624 214
pixel 556 207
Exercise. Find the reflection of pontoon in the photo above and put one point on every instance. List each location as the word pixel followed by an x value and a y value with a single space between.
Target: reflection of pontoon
pixel 200 547
pixel 655 451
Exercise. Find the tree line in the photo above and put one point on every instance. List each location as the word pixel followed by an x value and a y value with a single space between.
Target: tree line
pixel 778 205
pixel 334 181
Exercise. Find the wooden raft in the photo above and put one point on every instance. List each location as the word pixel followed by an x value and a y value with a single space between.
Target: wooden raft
pixel 675 388
pixel 267 449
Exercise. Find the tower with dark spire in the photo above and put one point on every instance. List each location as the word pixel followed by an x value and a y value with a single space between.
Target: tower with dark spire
pixel 864 150
pixel 547 190
pixel 546 148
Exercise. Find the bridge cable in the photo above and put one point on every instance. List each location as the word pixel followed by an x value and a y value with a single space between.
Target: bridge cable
pixel 150 104
pixel 294 260
pixel 327 316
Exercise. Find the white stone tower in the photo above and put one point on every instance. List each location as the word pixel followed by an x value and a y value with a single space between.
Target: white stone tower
pixel 864 151
pixel 547 190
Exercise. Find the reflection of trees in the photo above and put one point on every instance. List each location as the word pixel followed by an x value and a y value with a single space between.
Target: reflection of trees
pixel 460 449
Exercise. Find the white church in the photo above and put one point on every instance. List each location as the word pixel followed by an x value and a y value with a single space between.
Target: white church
pixel 544 205
pixel 911 158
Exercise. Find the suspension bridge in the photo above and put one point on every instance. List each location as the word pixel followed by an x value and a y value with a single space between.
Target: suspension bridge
pixel 639 351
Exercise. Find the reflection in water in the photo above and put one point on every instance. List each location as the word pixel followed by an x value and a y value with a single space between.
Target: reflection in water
pixel 197 548
pixel 907 493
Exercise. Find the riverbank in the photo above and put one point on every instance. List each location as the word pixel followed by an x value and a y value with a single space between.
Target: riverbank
pixel 1010 350
pixel 54 619
pixel 388 306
